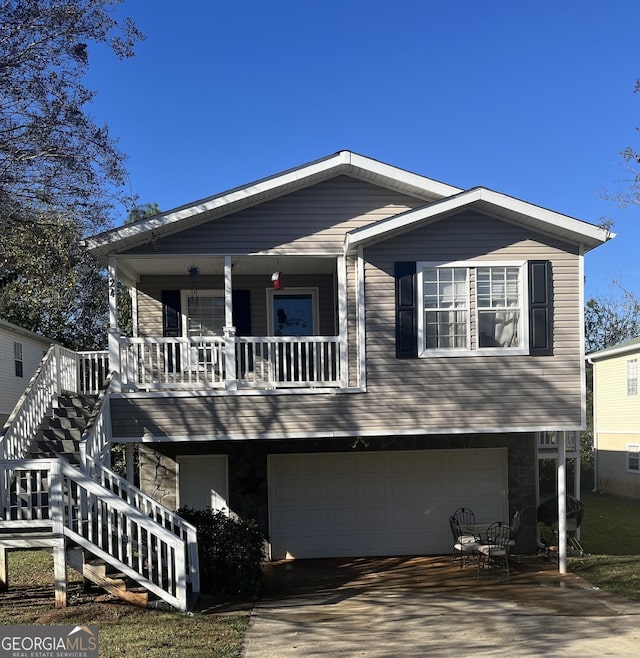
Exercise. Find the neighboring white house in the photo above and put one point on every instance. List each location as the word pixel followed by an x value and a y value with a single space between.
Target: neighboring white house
pixel 616 418
pixel 20 354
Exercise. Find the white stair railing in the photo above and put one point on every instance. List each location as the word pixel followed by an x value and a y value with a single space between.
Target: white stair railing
pixel 34 404
pixel 52 492
pixel 94 457
pixel 60 371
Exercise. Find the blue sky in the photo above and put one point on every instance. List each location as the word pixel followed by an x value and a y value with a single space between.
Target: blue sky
pixel 533 99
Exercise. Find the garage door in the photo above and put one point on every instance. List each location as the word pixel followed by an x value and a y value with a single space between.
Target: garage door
pixel 379 503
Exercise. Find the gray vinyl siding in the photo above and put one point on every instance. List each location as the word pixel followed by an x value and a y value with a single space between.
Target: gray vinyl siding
pixel 312 220
pixel 459 394
pixel 149 296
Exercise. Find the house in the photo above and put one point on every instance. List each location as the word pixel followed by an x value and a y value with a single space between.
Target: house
pixel 21 352
pixel 345 352
pixel 616 419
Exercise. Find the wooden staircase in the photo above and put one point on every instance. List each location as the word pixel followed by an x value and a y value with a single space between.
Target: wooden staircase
pixel 104 576
pixel 92 527
pixel 61 431
pixel 56 493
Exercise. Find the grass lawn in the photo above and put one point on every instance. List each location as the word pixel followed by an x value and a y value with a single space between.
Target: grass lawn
pixel 610 536
pixel 124 630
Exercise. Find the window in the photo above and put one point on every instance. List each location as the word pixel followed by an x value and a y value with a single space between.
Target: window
pixel 204 313
pixel 446 308
pixel 498 300
pixel 471 308
pixel 17 356
pixel 632 377
pixel 633 457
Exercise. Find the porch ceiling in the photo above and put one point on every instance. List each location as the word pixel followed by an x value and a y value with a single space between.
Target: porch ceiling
pixel 133 267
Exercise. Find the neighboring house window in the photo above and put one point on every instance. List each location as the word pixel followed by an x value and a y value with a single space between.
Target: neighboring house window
pixel 471 308
pixel 632 377
pixel 633 457
pixel 17 356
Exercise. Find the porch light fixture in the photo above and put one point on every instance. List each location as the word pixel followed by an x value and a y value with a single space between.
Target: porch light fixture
pixel 276 277
pixel 194 273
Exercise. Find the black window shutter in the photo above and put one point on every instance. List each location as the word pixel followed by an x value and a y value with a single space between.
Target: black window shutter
pixel 241 300
pixel 406 319
pixel 172 325
pixel 540 308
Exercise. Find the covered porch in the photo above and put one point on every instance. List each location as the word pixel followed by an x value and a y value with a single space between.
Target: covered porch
pixel 232 323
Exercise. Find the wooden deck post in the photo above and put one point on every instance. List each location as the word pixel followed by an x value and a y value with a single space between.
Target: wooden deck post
pixel 56 504
pixel 4 569
pixel 60 574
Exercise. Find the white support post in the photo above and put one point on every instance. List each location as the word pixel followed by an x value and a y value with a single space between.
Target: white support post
pixel 230 376
pixel 114 330
pixel 576 475
pixel 361 321
pixel 4 569
pixel 56 510
pixel 58 368
pixel 562 502
pixel 343 327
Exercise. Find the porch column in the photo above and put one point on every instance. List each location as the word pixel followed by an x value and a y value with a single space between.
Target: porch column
pixel 230 381
pixel 562 502
pixel 114 330
pixel 576 475
pixel 343 326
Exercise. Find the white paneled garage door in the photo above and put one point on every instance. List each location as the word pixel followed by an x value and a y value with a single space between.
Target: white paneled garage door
pixel 379 503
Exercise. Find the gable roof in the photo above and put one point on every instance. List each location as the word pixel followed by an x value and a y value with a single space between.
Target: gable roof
pixel 486 201
pixel 440 201
pixel 21 331
pixel 340 163
pixel 626 347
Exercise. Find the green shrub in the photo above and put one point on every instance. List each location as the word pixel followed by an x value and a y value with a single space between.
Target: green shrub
pixel 230 550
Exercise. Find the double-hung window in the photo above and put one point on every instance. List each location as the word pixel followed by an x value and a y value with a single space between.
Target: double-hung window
pixel 17 358
pixel 203 316
pixel 472 308
pixel 632 377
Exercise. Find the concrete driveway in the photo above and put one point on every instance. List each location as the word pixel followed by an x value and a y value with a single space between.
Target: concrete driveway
pixel 425 607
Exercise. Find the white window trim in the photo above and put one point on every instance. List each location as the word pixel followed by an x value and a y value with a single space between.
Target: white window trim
pixel 632 447
pixel 523 325
pixel 271 294
pixel 184 296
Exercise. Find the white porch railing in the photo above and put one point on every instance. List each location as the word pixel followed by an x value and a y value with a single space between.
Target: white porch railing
pixel 171 363
pixel 55 495
pixel 260 362
pixel 61 371
pixel 274 362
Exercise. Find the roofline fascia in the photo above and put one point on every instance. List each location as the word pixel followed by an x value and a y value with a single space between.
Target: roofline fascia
pixel 610 352
pixel 341 161
pixel 406 221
